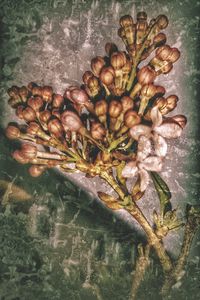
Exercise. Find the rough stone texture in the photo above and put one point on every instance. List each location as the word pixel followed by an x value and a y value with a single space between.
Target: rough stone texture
pixel 52 42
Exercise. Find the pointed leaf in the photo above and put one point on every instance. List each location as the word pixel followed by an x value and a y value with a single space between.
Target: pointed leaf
pixel 110 201
pixel 163 191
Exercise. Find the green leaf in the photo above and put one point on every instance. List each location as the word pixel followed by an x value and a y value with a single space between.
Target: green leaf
pixel 164 193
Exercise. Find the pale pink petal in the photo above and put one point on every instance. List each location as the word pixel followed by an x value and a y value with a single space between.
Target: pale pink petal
pixel 130 170
pixel 144 147
pixel 144 179
pixel 160 145
pixel 156 117
pixel 152 163
pixel 169 130
pixel 138 130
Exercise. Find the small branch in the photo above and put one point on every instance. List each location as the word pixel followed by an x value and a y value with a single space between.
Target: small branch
pixel 142 264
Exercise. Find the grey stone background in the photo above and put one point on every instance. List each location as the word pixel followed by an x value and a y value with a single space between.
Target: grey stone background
pixel 52 42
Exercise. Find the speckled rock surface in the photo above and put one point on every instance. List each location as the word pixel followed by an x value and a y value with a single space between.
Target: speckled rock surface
pixel 90 251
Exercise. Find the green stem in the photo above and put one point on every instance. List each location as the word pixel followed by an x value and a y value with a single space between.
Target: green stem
pixel 135 211
pixel 118 141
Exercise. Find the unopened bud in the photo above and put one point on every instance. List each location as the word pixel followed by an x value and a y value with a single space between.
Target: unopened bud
pixel 18 156
pixel 97 64
pixel 115 109
pixel 126 20
pixel 71 121
pixel 162 22
pixel 29 151
pixel 23 92
pixel 14 102
pixel 45 116
pixel 118 60
pixel 47 93
pixel 19 112
pixel 35 103
pixel 180 119
pixel 107 75
pixel 55 127
pixel 131 118
pixel 110 48
pixel 13 92
pixel 36 91
pixel 87 75
pixel 146 75
pixel 29 114
pixel 12 132
pixel 97 131
pixel 57 100
pixel 127 103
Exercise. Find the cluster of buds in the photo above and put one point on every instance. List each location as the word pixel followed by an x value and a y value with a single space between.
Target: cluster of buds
pixel 115 120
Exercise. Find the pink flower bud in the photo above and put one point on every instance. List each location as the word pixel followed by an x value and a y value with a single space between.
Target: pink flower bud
pixel 35 103
pixel 76 95
pixel 71 121
pixel 180 119
pixel 47 93
pixel 12 132
pixel 45 116
pixel 33 128
pixel 97 131
pixel 57 100
pixel 55 127
pixel 29 151
pixel 29 114
pixel 19 112
pixel 18 156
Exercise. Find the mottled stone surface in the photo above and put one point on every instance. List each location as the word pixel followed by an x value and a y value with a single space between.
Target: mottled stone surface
pixel 88 250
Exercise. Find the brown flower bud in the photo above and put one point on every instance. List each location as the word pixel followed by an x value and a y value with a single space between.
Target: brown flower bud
pixel 148 90
pixel 13 92
pixel 31 85
pixel 115 109
pixel 87 75
pixel 97 64
pixel 19 112
pixel 93 86
pixel 101 107
pixel 97 131
pixel 36 91
pixel 146 75
pixel 35 103
pixel 45 116
pixel 127 103
pixel 57 100
pixel 23 92
pixel 12 132
pixel 14 102
pixel 71 121
pixel 174 56
pixel 131 118
pixel 47 93
pixel 29 151
pixel 126 20
pixel 56 113
pixel 29 114
pixel 171 102
pixel 36 170
pixel 166 68
pixel 118 60
pixel 162 22
pixel 17 155
pixel 163 52
pixel 159 39
pixel 107 75
pixel 33 128
pixel 110 48
pixel 55 127
pixel 76 95
pixel 180 119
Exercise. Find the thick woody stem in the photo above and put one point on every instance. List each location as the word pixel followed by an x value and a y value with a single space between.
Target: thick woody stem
pixel 135 211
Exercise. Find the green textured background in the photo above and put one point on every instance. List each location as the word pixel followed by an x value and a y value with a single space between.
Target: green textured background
pixel 67 246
